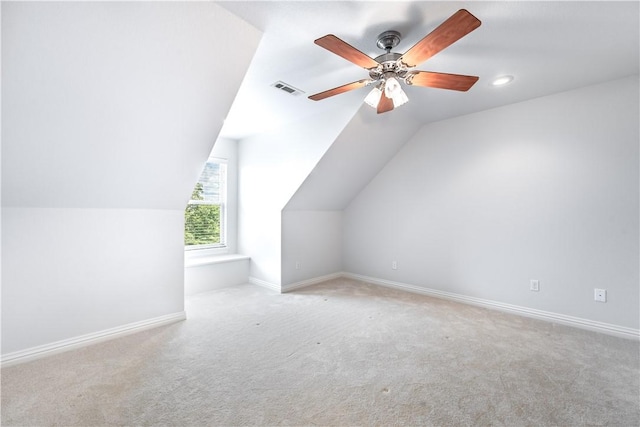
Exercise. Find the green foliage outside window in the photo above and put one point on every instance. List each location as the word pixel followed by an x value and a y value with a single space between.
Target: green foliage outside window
pixel 201 221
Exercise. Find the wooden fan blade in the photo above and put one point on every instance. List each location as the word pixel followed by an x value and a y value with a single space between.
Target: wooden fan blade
pixel 457 26
pixel 345 50
pixel 385 104
pixel 340 89
pixel 442 80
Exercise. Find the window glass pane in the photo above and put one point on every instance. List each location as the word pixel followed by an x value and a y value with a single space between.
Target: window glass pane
pixel 213 181
pixel 202 225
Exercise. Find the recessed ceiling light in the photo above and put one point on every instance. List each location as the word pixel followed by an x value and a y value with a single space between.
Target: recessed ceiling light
pixel 502 80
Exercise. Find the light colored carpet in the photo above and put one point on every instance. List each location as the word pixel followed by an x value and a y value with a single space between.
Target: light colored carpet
pixel 338 353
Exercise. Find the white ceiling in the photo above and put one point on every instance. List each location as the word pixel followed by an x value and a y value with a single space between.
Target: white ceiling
pixel 548 47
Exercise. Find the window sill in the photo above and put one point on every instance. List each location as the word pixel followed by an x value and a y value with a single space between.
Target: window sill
pixel 213 259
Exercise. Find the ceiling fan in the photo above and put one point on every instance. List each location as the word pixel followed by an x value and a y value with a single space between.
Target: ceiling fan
pixel 389 69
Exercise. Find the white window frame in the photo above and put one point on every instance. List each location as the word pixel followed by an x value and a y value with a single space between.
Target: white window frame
pixel 214 248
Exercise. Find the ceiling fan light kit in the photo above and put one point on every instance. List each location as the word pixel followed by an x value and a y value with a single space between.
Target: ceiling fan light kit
pixel 374 97
pixel 389 69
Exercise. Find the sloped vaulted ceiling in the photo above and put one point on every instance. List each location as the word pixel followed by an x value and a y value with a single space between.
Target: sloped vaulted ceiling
pixel 364 146
pixel 115 104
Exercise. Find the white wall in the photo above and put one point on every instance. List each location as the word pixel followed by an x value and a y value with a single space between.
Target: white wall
pixel 70 272
pixel 311 244
pixel 109 111
pixel 215 273
pixel 312 218
pixel 271 168
pixel 478 205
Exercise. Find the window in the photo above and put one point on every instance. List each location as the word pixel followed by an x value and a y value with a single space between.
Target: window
pixel 205 215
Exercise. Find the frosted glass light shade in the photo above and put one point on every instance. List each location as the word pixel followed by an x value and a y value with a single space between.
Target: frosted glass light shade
pixel 391 87
pixel 374 97
pixel 392 90
pixel 399 98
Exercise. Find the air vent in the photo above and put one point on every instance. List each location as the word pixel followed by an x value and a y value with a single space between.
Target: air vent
pixel 287 88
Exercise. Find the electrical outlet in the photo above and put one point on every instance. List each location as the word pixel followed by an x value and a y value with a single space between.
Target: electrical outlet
pixel 394 265
pixel 297 265
pixel 534 285
pixel 600 295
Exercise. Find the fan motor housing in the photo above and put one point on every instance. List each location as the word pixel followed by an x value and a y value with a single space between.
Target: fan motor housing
pixel 388 64
pixel 387 58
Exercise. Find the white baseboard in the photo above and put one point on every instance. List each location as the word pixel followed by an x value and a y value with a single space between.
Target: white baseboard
pixel 292 286
pixel 606 328
pixel 309 282
pixel 264 284
pixel 38 352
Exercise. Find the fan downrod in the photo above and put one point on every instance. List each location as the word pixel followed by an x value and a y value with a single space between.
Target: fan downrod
pixel 388 40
